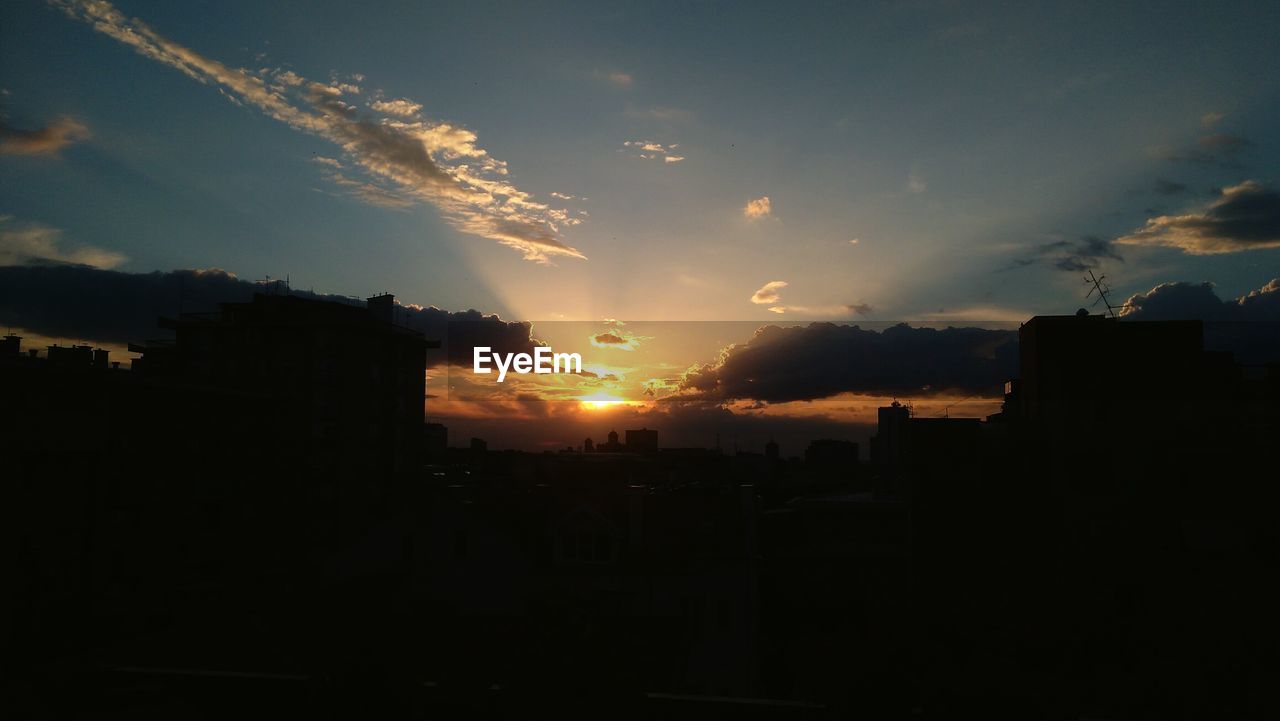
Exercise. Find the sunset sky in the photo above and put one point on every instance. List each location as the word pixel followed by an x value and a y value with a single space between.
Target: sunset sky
pixel 718 161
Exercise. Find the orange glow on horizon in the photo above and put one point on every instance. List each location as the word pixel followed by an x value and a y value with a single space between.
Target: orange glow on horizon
pixel 600 401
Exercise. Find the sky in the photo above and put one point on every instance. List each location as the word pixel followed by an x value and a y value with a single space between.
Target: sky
pixel 661 162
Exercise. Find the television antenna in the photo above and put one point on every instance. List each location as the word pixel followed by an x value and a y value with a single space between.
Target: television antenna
pixel 1101 287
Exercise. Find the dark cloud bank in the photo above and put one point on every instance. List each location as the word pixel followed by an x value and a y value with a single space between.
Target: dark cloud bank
pixel 823 359
pixel 775 365
pixel 114 307
pixel 1248 326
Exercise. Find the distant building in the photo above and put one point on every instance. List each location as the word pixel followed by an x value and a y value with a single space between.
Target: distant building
pixel 642 440
pixel 613 445
pixel 11 346
pixel 889 444
pixel 771 450
pixel 479 445
pixel 588 446
pixel 435 438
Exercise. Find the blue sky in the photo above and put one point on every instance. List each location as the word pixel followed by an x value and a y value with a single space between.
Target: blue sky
pixel 982 155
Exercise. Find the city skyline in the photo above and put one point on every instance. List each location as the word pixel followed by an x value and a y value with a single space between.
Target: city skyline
pixel 941 165
pixel 892 359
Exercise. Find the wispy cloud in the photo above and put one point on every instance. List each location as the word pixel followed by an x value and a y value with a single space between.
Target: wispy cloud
pixel 400 108
pixel 1208 120
pixel 616 78
pixel 916 183
pixel 436 162
pixel 768 292
pixel 369 192
pixel 659 113
pixel 650 150
pixel 43 141
pixel 1223 149
pixel 35 244
pixel 1087 253
pixel 842 310
pixel 758 208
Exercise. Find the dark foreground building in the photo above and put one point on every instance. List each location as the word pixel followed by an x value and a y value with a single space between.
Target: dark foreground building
pixel 247 523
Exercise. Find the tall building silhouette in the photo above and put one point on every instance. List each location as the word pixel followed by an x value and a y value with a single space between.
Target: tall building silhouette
pixel 345 383
pixel 642 440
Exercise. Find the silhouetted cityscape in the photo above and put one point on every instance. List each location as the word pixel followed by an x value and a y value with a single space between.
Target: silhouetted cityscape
pixel 256 516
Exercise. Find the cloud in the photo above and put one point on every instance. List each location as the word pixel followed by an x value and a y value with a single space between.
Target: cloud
pixel 659 113
pixel 1243 217
pixel 1182 301
pixel 617 339
pixel 758 208
pixel 76 301
pixel 1077 256
pixel 1222 144
pixel 401 108
pixel 853 241
pixel 1208 120
pixel 1082 255
pixel 916 184
pixel 46 141
pixel 1248 326
pixel 1218 148
pixel 650 150
pixel 821 360
pixel 34 244
pixel 369 192
pixel 769 295
pixel 844 310
pixel 620 79
pixel 768 292
pixel 439 163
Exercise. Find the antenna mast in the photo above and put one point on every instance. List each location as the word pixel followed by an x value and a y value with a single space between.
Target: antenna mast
pixel 1102 290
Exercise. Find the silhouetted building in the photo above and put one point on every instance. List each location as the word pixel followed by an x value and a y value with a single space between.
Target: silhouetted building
pixel 479 445
pixel 10 346
pixel 1091 368
pixel 610 446
pixel 435 438
pixel 771 450
pixel 642 440
pixel 348 386
pixel 889 443
pixel 588 446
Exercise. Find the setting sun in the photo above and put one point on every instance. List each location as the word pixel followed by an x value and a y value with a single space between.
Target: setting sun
pixel 599 401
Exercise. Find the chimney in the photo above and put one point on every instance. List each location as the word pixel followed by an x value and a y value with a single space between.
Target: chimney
pixel 382 307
